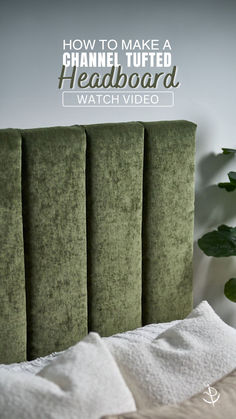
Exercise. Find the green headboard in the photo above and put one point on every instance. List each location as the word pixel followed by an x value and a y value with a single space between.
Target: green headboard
pixel 96 231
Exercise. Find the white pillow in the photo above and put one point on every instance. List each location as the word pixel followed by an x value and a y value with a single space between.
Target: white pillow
pixel 84 382
pixel 180 361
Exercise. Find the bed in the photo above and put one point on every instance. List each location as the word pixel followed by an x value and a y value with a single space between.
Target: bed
pixel 96 235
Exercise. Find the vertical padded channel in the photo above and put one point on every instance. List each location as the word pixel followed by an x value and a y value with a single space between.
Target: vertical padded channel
pixel 114 222
pixel 168 210
pixel 12 275
pixel 54 213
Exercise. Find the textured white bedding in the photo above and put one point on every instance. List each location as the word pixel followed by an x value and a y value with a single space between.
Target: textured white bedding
pixel 156 364
pixel 179 362
pixel 83 383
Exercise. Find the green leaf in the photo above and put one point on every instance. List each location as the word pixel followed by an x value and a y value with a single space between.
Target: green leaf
pixel 219 243
pixel 228 150
pixel 230 289
pixel 231 185
pixel 227 186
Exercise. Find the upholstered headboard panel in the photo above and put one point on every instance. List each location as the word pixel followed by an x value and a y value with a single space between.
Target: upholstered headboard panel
pixel 96 227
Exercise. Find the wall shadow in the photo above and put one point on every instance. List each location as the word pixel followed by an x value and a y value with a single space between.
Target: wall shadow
pixel 214 206
pixel 212 273
pixel 212 163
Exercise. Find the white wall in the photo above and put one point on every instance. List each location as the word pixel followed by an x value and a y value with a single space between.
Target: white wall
pixel 203 37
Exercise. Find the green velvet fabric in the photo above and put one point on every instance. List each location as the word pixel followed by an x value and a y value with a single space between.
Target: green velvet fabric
pixel 114 223
pixel 54 215
pixel 105 241
pixel 168 210
pixel 12 276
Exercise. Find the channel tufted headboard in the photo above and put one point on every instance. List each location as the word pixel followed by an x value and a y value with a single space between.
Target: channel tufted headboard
pixel 96 231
